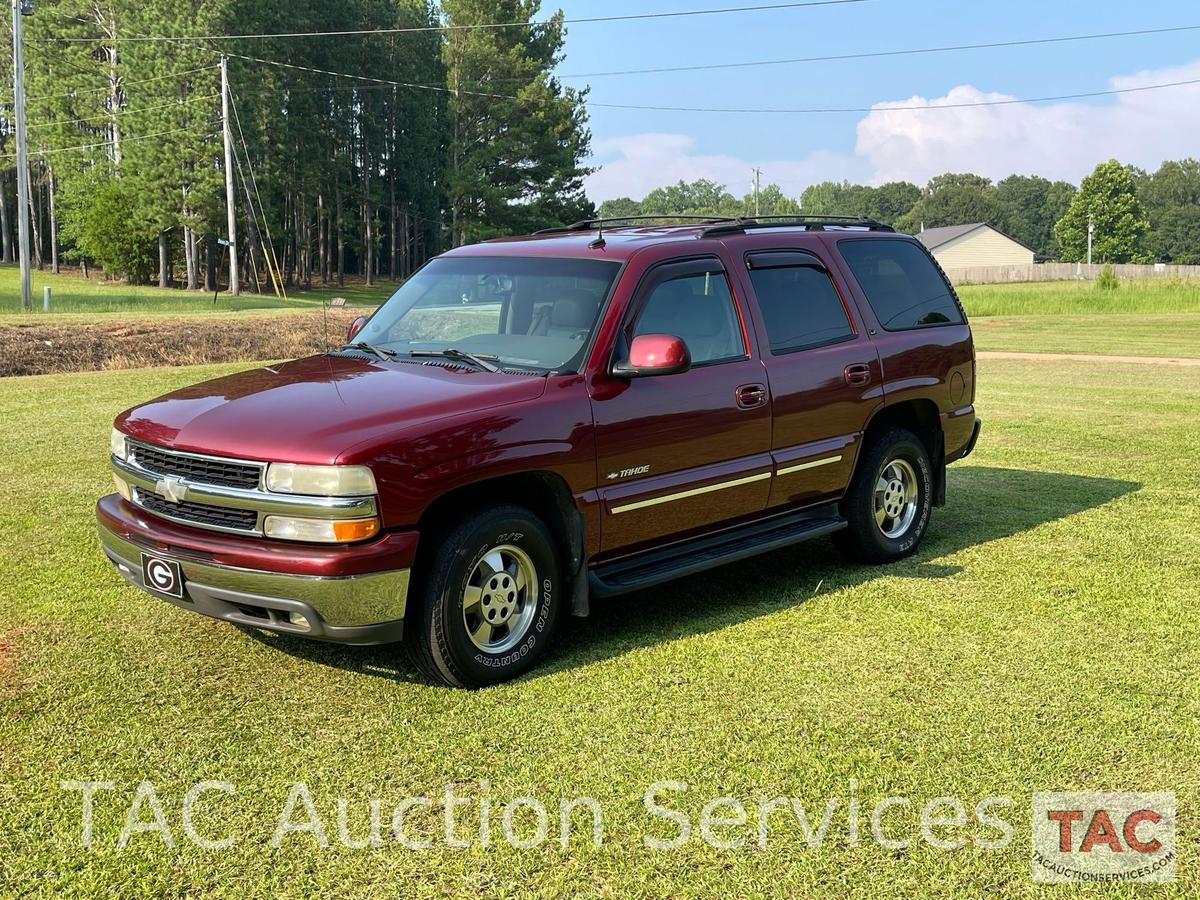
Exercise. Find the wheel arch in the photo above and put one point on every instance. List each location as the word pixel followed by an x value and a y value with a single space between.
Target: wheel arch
pixel 922 417
pixel 543 493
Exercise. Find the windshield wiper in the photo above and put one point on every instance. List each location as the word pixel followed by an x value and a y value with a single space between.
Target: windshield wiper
pixel 381 352
pixel 487 362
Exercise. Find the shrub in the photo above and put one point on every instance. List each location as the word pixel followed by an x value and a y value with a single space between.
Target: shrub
pixel 99 219
pixel 1107 280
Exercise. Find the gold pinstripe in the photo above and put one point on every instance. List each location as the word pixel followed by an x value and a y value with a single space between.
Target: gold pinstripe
pixel 809 465
pixel 694 492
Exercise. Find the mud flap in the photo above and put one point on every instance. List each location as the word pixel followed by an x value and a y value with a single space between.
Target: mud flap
pixel 579 594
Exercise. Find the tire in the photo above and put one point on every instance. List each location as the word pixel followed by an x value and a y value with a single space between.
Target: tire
pixel 488 601
pixel 889 500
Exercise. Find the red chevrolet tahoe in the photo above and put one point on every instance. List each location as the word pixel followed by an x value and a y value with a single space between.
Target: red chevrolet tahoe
pixel 532 422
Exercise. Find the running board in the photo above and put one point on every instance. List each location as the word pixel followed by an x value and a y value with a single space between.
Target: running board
pixel 656 566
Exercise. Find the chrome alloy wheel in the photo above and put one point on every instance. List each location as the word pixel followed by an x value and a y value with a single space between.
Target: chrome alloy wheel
pixel 896 495
pixel 501 599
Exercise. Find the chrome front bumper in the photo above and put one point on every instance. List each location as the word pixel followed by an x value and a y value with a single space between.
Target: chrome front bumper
pixel 358 609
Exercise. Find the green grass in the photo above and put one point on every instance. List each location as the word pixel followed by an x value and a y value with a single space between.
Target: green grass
pixel 1063 298
pixel 75 294
pixel 1156 334
pixel 1044 638
pixel 1140 318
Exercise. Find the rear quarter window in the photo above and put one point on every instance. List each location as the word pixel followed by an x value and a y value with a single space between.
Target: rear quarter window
pixel 901 283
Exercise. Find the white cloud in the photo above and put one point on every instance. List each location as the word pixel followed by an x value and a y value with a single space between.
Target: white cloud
pixel 1057 140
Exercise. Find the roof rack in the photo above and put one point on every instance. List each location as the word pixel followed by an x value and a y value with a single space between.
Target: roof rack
pixel 589 224
pixel 719 225
pixel 809 223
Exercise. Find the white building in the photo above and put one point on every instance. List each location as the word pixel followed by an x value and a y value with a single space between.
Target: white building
pixel 978 244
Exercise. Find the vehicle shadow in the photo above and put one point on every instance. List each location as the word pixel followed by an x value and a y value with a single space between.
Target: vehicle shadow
pixel 986 504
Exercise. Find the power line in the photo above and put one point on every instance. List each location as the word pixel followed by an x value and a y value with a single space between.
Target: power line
pixel 124 140
pixel 124 112
pixel 122 86
pixel 472 27
pixel 887 108
pixel 884 53
pixel 879 54
pixel 750 110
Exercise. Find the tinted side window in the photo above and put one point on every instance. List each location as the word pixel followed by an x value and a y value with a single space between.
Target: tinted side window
pixel 800 308
pixel 901 283
pixel 699 309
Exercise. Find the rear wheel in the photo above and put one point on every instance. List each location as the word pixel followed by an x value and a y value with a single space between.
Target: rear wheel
pixel 889 501
pixel 490 598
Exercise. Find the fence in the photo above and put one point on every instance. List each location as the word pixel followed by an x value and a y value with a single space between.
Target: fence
pixel 1063 272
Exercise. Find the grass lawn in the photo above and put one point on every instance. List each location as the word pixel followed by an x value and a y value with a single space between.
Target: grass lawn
pixel 75 294
pixel 1149 334
pixel 1061 298
pixel 1045 638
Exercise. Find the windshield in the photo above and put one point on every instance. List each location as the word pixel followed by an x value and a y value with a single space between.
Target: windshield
pixel 523 312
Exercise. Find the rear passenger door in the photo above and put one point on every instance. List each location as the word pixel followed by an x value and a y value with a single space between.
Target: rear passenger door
pixel 683 453
pixel 823 372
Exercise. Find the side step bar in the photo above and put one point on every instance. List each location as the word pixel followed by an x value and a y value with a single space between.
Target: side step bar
pixel 656 566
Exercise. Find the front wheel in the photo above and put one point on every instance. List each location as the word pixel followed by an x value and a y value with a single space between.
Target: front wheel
pixel 490 600
pixel 888 504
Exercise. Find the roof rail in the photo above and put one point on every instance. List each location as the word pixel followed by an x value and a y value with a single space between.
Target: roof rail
pixel 589 224
pixel 808 222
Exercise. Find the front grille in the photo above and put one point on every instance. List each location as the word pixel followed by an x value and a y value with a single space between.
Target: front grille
pixel 199 513
pixel 198 469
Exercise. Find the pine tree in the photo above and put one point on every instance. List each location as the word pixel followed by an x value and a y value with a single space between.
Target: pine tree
pixel 517 136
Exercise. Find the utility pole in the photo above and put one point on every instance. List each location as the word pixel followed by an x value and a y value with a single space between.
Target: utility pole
pixel 1091 231
pixel 21 8
pixel 234 284
pixel 757 180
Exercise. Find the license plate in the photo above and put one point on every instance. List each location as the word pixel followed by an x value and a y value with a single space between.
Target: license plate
pixel 162 575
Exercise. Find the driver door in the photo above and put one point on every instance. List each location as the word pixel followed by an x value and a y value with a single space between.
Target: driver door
pixel 684 453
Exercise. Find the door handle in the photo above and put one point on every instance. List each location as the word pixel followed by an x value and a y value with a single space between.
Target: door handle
pixel 858 374
pixel 751 396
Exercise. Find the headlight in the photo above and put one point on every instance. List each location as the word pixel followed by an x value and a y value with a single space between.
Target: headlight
pixel 320 481
pixel 116 444
pixel 325 531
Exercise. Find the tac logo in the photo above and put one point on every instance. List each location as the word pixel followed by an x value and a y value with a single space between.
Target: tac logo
pixel 1103 837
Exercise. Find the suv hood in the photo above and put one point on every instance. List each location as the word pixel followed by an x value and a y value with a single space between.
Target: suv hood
pixel 314 409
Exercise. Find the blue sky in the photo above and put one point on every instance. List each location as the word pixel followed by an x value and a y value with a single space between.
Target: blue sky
pixel 639 149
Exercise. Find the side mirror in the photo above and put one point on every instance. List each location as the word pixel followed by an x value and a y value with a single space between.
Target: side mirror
pixel 654 354
pixel 355 327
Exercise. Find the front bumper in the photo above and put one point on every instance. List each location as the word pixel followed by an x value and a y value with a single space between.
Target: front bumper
pixel 361 608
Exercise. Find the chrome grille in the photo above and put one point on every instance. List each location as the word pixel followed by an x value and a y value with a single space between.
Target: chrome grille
pixel 219 493
pixel 201 469
pixel 199 513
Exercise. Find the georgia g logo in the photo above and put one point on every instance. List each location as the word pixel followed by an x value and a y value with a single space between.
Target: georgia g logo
pixel 161 576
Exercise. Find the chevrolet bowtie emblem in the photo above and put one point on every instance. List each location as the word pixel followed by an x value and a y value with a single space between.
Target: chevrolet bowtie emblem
pixel 171 488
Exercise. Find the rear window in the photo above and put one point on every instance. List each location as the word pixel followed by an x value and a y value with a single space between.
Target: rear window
pixel 901 283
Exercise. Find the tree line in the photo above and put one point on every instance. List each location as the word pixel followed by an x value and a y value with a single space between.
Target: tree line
pixel 355 154
pixel 1139 216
